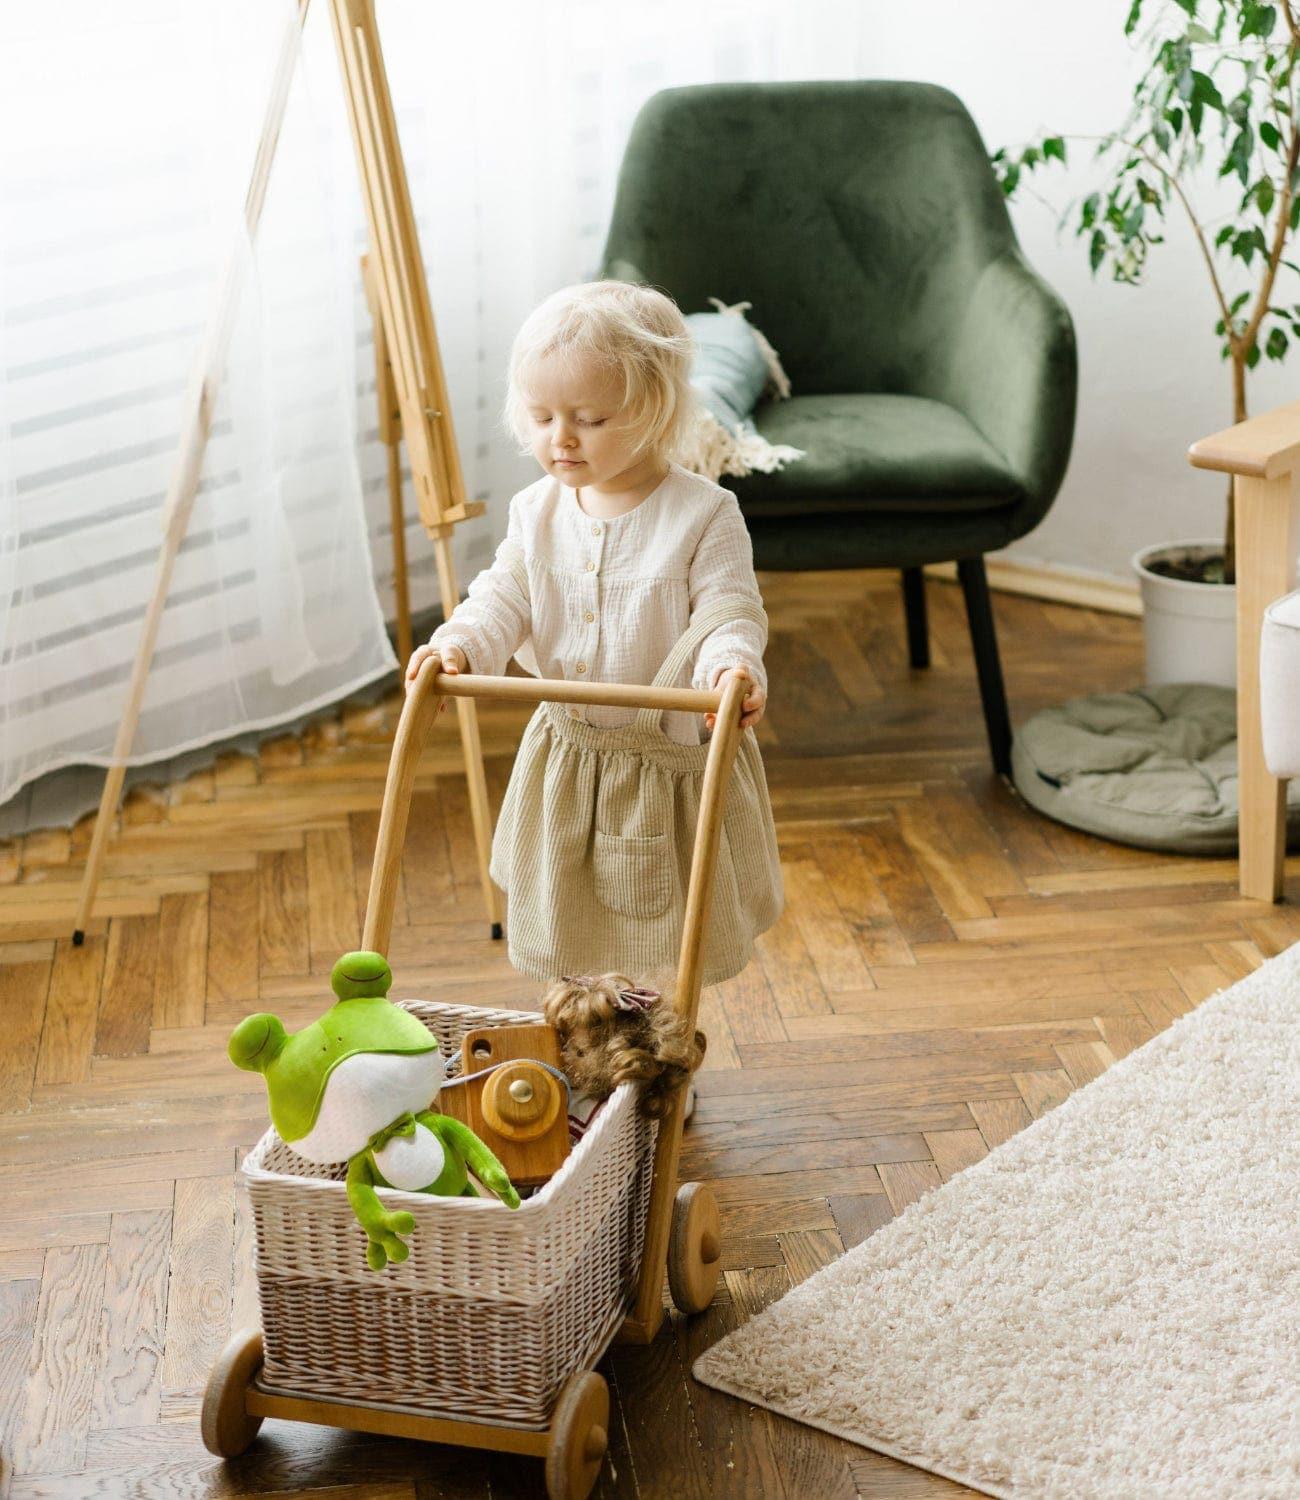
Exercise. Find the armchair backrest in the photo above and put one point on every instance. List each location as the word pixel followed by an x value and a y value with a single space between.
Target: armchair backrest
pixel 855 216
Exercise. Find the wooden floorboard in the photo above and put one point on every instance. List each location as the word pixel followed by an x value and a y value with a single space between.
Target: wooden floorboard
pixel 949 968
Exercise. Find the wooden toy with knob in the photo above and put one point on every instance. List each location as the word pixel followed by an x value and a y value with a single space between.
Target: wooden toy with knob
pixel 519 1109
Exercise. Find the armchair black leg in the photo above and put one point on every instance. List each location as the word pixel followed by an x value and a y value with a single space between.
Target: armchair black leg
pixel 993 695
pixel 918 633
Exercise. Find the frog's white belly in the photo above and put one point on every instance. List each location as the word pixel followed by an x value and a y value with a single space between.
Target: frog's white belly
pixel 412 1162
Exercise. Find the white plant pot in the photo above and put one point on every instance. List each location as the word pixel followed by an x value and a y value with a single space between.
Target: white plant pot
pixel 1190 628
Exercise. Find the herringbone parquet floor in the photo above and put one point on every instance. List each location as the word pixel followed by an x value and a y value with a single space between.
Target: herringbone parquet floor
pixel 949 967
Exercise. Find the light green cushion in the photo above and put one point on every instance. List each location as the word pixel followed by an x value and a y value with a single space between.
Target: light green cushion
pixel 1156 768
pixel 728 372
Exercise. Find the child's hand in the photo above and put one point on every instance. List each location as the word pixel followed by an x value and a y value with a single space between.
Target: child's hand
pixel 451 660
pixel 754 704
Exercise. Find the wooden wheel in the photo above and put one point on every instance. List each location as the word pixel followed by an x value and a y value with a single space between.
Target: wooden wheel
pixel 226 1427
pixel 694 1248
pixel 579 1437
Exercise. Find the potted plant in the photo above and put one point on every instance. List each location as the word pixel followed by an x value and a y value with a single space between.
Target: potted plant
pixel 1216 98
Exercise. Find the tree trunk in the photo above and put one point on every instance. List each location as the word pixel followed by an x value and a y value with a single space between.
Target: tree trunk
pixel 1238 415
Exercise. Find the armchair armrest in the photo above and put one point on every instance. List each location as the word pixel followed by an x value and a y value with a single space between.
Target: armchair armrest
pixel 1012 369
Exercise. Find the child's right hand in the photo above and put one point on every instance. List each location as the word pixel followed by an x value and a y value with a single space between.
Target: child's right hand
pixel 451 660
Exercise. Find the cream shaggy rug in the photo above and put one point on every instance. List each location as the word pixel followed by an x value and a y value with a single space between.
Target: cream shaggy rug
pixel 1108 1305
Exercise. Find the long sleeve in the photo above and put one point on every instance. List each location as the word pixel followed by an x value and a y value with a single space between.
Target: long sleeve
pixel 495 619
pixel 723 564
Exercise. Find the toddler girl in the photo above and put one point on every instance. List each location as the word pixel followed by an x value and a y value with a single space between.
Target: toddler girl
pixel 607 560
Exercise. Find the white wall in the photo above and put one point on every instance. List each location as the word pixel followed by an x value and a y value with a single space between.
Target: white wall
pixel 1151 380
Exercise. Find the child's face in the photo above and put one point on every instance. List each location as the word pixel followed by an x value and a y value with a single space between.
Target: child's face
pixel 579 431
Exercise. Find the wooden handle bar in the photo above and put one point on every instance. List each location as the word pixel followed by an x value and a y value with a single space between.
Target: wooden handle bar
pixel 550 690
pixel 422 699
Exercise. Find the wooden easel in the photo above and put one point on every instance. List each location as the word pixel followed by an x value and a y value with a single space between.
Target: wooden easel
pixel 410 386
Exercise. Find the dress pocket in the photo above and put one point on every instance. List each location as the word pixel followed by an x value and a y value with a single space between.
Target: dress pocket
pixel 632 875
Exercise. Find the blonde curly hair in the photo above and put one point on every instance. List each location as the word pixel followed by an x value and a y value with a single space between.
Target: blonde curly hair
pixel 607 1039
pixel 634 330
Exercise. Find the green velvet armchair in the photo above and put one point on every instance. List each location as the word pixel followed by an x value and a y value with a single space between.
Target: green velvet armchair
pixel 934 373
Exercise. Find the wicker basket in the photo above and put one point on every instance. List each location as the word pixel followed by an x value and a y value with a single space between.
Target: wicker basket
pixel 494 1310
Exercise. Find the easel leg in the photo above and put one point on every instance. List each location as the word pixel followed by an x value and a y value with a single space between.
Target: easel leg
pixel 401 582
pixel 185 477
pixel 180 501
pixel 390 434
pixel 480 811
pixel 408 364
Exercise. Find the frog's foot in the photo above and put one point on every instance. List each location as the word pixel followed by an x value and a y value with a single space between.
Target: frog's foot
pixel 503 1188
pixel 385 1242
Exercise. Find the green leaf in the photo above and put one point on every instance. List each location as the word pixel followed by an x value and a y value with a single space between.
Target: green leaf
pixel 1097 250
pixel 1277 344
pixel 1257 20
pixel 1247 242
pixel 1134 12
pixel 1175 119
pixel 1054 146
pixel 1197 33
pixel 1238 157
pixel 1011 180
pixel 1189 6
pixel 1264 195
pixel 1252 359
pixel 1268 133
pixel 1223 236
pixel 1238 302
pixel 1205 91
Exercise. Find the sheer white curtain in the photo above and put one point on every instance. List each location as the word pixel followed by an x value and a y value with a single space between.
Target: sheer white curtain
pixel 129 133
pixel 127 136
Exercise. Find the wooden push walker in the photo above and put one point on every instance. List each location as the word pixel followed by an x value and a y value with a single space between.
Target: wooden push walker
pixel 647 1222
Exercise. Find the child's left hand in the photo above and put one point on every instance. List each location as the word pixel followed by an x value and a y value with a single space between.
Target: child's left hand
pixel 754 704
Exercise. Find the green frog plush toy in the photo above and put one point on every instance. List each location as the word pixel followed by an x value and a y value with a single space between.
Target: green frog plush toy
pixel 356 1086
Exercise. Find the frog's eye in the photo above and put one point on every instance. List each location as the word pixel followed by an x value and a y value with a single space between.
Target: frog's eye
pixel 256 1042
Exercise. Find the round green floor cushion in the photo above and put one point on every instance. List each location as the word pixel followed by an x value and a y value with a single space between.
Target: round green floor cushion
pixel 1156 767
